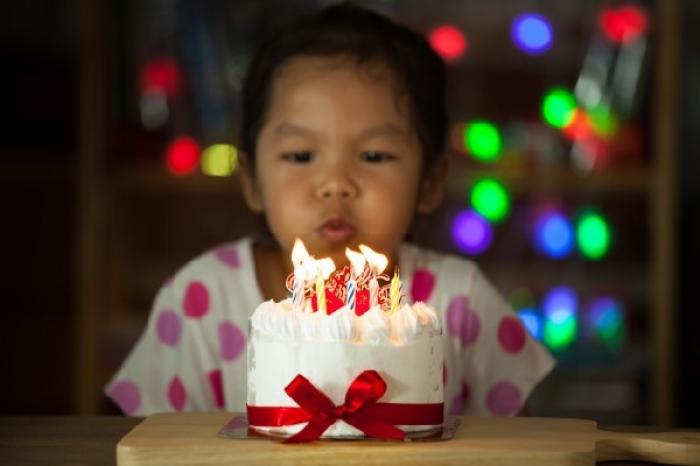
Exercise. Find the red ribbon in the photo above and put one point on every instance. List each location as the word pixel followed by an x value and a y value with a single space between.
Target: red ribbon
pixel 360 410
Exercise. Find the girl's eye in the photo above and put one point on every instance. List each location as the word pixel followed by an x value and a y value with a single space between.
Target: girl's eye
pixel 297 157
pixel 377 157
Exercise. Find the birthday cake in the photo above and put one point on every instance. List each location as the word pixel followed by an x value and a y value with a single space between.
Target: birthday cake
pixel 343 357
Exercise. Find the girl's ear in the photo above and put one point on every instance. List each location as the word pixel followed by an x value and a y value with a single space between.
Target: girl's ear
pixel 250 188
pixel 433 187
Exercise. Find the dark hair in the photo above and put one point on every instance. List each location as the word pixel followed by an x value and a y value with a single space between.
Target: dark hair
pixel 348 30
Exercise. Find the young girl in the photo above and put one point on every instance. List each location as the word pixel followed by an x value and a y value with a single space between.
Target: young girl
pixel 343 134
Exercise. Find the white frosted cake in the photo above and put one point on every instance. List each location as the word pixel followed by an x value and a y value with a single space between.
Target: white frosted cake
pixel 343 357
pixel 404 347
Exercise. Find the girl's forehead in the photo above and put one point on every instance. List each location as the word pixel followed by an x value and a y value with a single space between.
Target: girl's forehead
pixel 311 84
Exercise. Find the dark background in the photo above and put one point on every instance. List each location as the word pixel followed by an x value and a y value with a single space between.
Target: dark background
pixel 41 139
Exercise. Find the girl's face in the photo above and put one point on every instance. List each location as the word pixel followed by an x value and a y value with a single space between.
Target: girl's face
pixel 338 160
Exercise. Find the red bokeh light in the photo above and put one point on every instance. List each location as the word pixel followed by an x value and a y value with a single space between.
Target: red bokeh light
pixel 625 24
pixel 182 156
pixel 579 127
pixel 161 75
pixel 448 42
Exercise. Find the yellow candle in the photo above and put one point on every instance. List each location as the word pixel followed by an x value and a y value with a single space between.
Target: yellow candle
pixel 320 294
pixel 395 292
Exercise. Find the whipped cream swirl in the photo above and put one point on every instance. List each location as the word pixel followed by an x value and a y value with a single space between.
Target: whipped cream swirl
pixel 374 327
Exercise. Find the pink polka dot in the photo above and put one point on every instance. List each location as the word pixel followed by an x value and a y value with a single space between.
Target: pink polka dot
pixel 462 321
pixel 127 396
pixel 511 334
pixel 169 327
pixel 459 401
pixel 217 388
pixel 422 285
pixel 196 303
pixel 231 341
pixel 177 394
pixel 504 399
pixel 228 256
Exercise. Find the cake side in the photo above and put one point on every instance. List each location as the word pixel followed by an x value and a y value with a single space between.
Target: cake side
pixel 404 348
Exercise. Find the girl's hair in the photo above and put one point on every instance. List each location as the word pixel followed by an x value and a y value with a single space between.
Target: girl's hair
pixel 346 30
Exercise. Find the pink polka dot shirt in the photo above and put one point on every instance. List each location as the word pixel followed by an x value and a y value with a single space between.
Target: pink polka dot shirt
pixel 191 356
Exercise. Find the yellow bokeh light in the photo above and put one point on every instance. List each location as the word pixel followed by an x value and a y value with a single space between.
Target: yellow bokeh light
pixel 219 160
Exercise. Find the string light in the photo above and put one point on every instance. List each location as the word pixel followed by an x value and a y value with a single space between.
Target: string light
pixel 471 233
pixel 490 199
pixel 554 235
pixel 561 326
pixel 161 75
pixel 532 320
pixel 482 140
pixel 219 160
pixel 624 24
pixel 593 234
pixel 182 156
pixel 606 322
pixel 558 107
pixel 532 33
pixel 449 42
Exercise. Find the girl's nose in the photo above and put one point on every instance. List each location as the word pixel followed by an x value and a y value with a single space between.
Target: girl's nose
pixel 337 187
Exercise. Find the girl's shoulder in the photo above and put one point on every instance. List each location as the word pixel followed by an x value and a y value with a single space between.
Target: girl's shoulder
pixel 230 264
pixel 443 265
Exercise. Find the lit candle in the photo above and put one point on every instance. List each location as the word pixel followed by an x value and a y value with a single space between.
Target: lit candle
pixel 395 291
pixel 324 269
pixel 357 263
pixel 377 263
pixel 299 257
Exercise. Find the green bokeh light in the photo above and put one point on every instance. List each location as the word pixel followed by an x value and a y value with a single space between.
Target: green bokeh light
pixel 482 140
pixel 558 107
pixel 560 330
pixel 490 199
pixel 604 120
pixel 593 235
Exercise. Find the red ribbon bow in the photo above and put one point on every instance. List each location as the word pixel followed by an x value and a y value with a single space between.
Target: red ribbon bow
pixel 360 410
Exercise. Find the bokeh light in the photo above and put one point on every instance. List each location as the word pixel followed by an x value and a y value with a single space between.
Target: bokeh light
pixel 603 120
pixel 219 160
pixel 482 140
pixel 161 75
pixel 554 234
pixel 532 33
pixel 471 232
pixel 558 107
pixel 532 320
pixel 490 199
pixel 182 156
pixel 593 234
pixel 605 320
pixel 522 297
pixel 625 24
pixel 449 42
pixel 560 306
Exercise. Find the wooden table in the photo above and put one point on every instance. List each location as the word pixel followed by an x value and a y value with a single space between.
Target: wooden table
pixel 62 441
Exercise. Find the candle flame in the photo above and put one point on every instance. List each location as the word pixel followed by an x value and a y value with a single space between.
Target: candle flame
pixel 325 267
pixel 299 253
pixel 357 261
pixel 376 261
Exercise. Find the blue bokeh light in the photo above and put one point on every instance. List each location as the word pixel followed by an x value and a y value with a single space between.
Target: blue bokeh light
pixel 532 320
pixel 560 302
pixel 532 33
pixel 554 235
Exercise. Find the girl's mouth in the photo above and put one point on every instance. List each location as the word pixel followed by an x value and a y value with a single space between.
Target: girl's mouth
pixel 336 230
